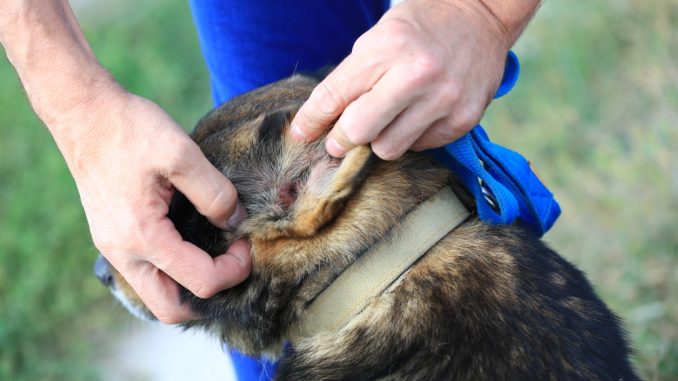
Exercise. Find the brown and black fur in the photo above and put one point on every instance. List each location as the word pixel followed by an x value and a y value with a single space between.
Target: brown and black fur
pixel 485 303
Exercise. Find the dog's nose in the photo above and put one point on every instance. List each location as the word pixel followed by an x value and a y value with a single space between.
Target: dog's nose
pixel 102 269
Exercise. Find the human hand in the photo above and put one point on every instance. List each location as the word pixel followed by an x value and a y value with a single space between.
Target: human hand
pixel 126 160
pixel 420 78
pixel 126 156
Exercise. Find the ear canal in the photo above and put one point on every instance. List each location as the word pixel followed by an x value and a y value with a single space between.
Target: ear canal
pixel 322 202
pixel 288 193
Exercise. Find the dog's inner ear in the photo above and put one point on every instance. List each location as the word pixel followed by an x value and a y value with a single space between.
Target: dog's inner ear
pixel 290 188
pixel 288 193
pixel 329 185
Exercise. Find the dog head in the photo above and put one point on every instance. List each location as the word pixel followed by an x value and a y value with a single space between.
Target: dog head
pixel 309 215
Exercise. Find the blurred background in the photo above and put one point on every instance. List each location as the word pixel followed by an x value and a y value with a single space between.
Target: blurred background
pixel 596 111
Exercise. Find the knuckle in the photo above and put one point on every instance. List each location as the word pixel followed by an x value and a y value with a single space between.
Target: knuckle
pixel 399 33
pixel 424 69
pixel 386 151
pixel 205 290
pixel 328 99
pixel 446 135
pixel 353 139
pixel 449 94
pixel 444 132
pixel 357 135
pixel 389 35
pixel 463 120
pixel 449 135
pixel 361 43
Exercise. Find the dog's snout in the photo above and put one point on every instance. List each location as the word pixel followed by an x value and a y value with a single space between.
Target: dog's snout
pixel 102 269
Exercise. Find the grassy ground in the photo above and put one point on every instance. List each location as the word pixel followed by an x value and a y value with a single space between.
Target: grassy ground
pixel 595 110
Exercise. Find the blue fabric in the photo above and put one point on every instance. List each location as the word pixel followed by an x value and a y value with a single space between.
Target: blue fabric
pixel 252 369
pixel 247 44
pixel 505 187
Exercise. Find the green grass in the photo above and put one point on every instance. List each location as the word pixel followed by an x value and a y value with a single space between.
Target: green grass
pixel 595 111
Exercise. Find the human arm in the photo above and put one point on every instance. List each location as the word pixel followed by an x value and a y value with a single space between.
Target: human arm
pixel 127 156
pixel 420 78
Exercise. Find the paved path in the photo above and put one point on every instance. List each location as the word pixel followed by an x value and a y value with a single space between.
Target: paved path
pixel 157 352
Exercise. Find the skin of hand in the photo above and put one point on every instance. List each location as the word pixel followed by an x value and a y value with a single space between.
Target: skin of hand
pixel 420 78
pixel 126 156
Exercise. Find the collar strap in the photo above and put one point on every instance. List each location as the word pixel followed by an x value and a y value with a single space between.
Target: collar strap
pixel 382 265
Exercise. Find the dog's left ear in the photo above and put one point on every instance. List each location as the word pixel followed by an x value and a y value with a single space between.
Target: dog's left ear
pixel 330 184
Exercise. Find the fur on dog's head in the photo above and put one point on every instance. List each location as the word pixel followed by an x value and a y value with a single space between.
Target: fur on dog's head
pixel 305 221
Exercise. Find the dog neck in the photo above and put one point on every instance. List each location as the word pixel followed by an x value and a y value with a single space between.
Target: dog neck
pixel 382 265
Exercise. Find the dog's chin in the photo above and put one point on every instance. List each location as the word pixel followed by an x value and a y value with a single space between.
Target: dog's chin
pixel 136 309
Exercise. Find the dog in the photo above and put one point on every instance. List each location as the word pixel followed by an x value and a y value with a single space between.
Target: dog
pixel 481 303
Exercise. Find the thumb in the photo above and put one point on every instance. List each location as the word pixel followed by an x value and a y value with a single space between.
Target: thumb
pixel 212 194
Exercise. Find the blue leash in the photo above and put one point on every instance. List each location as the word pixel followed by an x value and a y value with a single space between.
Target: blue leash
pixel 501 180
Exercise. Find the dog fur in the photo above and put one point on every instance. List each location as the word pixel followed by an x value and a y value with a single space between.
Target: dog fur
pixel 485 303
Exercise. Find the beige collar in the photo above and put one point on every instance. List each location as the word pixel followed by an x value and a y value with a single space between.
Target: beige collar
pixel 382 265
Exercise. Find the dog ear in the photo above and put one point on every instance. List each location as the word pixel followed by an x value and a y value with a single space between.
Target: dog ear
pixel 329 185
pixel 316 199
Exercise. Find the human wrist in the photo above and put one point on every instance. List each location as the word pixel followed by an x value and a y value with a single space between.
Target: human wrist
pixel 57 68
pixel 504 19
pixel 511 16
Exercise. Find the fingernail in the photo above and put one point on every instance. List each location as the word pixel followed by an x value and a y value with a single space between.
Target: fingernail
pixel 334 148
pixel 239 214
pixel 297 133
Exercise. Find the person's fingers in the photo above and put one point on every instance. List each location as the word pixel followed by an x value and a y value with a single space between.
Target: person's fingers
pixel 353 77
pixel 366 117
pixel 212 194
pixel 154 277
pixel 421 115
pixel 442 132
pixel 160 294
pixel 457 122
pixel 194 269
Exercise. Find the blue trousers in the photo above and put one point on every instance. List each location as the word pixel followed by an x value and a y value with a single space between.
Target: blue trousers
pixel 247 44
